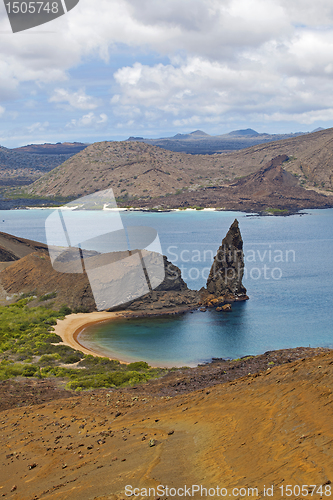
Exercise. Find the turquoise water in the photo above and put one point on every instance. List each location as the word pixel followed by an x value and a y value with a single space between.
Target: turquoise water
pixel 289 264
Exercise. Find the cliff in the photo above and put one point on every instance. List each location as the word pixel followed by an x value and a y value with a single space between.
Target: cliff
pixel 34 275
pixel 224 283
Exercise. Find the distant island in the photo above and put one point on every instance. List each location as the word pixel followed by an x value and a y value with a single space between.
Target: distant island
pixel 279 177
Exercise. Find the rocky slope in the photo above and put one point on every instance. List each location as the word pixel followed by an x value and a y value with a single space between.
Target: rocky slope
pixel 14 248
pixel 271 187
pixel 34 275
pixel 142 174
pixel 131 169
pixel 19 167
pixel 265 430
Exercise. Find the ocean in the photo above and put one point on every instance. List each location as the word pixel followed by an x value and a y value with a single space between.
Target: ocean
pixel 288 276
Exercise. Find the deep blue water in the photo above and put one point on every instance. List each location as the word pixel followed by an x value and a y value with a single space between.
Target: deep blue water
pixel 289 264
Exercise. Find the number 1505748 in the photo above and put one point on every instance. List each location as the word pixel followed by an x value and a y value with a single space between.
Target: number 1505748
pixel 306 490
pixel 32 7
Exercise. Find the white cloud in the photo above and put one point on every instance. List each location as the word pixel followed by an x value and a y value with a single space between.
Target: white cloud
pixel 88 120
pixel 214 61
pixel 307 118
pixel 38 127
pixel 2 110
pixel 76 100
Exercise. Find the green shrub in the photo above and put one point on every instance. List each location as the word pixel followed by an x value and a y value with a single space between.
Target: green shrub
pixel 30 371
pixel 138 365
pixel 72 358
pixel 65 310
pixel 49 358
pixel 26 332
pixel 47 296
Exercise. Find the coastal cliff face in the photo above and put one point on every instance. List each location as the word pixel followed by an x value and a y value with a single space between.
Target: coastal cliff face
pixel 224 282
pixel 171 295
pixel 33 275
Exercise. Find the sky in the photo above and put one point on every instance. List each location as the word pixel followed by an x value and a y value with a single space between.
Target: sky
pixel 110 69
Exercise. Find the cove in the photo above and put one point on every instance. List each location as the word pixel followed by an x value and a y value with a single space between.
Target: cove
pixel 290 297
pixel 288 279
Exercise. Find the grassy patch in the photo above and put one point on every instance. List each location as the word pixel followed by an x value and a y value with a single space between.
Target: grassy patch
pixel 47 296
pixel 277 211
pixel 30 348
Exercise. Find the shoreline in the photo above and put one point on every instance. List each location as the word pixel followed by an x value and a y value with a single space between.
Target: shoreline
pixel 72 325
pixel 70 328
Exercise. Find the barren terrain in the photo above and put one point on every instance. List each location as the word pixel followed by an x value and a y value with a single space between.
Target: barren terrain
pixel 272 428
pixel 139 172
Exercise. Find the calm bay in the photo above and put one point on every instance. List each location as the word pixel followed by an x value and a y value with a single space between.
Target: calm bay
pixel 288 276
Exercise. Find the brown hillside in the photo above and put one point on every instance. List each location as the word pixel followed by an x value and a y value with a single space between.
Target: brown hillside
pixel 15 248
pixel 138 170
pixel 131 169
pixel 271 187
pixel 272 429
pixel 34 275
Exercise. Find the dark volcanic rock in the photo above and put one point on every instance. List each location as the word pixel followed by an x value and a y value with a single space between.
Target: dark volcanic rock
pixel 171 295
pixel 33 274
pixel 173 280
pixel 226 274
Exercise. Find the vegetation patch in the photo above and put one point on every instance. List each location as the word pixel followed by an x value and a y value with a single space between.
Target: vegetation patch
pixel 277 211
pixel 47 296
pixel 30 348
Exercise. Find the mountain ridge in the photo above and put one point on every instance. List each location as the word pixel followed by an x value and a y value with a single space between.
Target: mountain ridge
pixel 141 174
pixel 21 167
pixel 199 142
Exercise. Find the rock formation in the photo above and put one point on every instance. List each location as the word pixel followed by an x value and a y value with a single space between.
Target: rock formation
pixel 224 283
pixel 172 294
pixel 33 274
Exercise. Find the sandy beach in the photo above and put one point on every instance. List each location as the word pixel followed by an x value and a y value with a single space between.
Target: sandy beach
pixel 70 327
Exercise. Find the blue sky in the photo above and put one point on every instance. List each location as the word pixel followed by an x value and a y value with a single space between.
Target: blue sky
pixel 112 69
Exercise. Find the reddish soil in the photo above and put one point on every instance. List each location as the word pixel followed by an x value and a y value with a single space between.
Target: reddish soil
pixel 267 429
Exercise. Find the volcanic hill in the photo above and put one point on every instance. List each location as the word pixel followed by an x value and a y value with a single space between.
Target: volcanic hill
pixel 22 166
pixel 144 175
pixel 270 189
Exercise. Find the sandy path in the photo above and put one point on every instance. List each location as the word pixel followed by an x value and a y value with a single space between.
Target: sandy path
pixel 70 327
